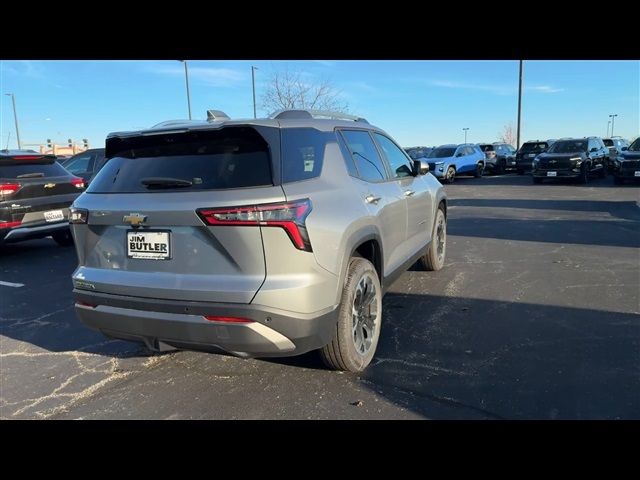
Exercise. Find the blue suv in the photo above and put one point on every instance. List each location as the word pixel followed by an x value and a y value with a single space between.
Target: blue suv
pixel 447 161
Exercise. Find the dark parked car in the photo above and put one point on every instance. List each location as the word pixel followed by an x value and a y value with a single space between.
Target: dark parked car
pixel 615 146
pixel 627 163
pixel 35 195
pixel 499 157
pixel 418 152
pixel 527 152
pixel 572 158
pixel 85 164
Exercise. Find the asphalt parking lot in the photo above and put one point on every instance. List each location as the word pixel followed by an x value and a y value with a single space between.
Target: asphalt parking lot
pixel 535 316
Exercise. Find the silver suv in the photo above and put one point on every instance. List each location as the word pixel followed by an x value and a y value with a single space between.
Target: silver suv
pixel 268 237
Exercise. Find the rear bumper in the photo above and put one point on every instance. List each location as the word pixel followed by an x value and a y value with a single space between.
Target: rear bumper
pixel 180 324
pixel 627 173
pixel 17 234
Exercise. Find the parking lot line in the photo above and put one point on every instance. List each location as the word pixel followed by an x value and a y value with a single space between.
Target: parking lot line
pixel 9 284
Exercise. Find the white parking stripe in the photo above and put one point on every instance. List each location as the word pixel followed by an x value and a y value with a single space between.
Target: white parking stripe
pixel 9 284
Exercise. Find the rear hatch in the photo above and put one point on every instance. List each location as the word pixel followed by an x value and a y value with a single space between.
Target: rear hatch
pixel 146 232
pixel 35 190
pixel 489 151
pixel 529 150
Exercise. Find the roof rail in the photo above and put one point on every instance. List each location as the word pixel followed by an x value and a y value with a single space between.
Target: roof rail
pixel 217 116
pixel 302 114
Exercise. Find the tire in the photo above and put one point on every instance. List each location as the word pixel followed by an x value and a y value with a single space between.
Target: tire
pixel 499 167
pixel 64 239
pixel 450 176
pixel 537 180
pixel 603 171
pixel 479 170
pixel 434 257
pixel 351 348
pixel 618 180
pixel 584 175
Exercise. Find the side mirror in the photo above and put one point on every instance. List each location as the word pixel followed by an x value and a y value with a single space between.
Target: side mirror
pixel 624 149
pixel 420 167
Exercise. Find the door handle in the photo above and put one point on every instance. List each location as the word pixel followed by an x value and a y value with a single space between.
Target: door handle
pixel 372 199
pixel 408 193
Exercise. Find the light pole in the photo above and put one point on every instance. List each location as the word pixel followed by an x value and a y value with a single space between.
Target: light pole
pixel 465 134
pixel 186 80
pixel 613 120
pixel 253 86
pixel 608 123
pixel 519 105
pixel 15 117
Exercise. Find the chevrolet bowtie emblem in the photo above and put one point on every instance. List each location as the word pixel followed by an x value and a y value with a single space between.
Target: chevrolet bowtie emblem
pixel 552 161
pixel 49 185
pixel 134 219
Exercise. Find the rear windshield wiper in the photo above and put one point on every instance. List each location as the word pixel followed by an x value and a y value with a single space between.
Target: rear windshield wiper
pixel 165 182
pixel 31 175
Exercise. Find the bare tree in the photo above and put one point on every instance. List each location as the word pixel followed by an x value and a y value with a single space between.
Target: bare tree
pixel 507 135
pixel 288 89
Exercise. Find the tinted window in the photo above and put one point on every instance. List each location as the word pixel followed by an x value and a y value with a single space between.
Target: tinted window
pixel 364 155
pixel 442 152
pixel 635 146
pixel 416 153
pixel 302 153
pixel 533 147
pixel 48 170
pixel 233 157
pixel 569 146
pixel 487 148
pixel 348 159
pixel 608 143
pixel 469 151
pixel 79 163
pixel 398 161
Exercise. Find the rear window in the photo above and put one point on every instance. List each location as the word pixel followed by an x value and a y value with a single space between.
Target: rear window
pixel 487 148
pixel 533 147
pixel 302 151
pixel 46 169
pixel 233 157
pixel 608 143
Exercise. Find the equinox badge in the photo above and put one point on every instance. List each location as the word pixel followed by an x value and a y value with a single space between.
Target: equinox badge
pixel 134 219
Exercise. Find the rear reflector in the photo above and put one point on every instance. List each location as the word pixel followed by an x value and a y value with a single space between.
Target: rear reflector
pixel 85 304
pixel 10 224
pixel 216 318
pixel 289 216
pixel 77 182
pixel 9 188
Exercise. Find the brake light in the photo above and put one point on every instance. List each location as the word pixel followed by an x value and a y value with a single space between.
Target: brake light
pixel 77 182
pixel 9 188
pixel 85 304
pixel 28 157
pixel 289 216
pixel 10 224
pixel 78 215
pixel 216 318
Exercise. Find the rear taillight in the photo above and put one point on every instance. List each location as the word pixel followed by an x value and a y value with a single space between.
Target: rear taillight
pixel 78 215
pixel 9 188
pixel 77 182
pixel 216 318
pixel 10 224
pixel 28 157
pixel 85 304
pixel 290 216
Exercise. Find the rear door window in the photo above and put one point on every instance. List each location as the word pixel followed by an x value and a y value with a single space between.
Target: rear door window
pixel 365 155
pixel 80 164
pixel 232 157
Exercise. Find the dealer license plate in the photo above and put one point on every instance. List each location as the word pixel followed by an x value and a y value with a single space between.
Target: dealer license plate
pixel 148 245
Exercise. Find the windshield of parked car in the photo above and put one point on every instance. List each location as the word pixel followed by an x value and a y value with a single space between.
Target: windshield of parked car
pixel 533 147
pixel 416 153
pixel 635 146
pixel 486 147
pixel 569 146
pixel 442 152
